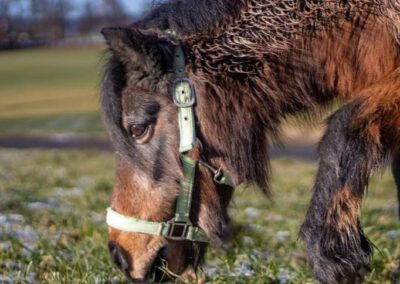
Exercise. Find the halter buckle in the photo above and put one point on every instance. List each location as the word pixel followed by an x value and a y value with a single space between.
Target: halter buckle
pixel 186 89
pixel 178 230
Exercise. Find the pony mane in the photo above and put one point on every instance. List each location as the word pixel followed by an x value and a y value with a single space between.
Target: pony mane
pixel 235 35
pixel 265 28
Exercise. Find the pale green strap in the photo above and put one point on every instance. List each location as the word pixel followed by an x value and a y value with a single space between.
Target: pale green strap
pixel 184 201
pixel 133 225
pixel 187 132
pixel 184 98
pixel 197 235
pixel 179 62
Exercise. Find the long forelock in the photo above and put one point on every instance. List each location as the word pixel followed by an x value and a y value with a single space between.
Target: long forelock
pixel 114 81
pixel 117 78
pixel 113 84
pixel 234 36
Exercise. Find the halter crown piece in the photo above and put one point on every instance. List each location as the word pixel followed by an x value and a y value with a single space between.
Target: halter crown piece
pixel 180 227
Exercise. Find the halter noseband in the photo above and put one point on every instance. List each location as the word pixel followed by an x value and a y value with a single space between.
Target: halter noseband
pixel 180 227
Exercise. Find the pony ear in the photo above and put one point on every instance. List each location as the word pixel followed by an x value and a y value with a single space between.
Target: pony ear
pixel 125 43
pixel 133 46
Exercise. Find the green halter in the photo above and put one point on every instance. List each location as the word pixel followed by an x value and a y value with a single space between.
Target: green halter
pixel 180 227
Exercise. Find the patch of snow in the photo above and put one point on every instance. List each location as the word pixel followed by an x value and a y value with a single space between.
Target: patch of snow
pixel 261 255
pixel 243 269
pixel 27 236
pixel 66 255
pixel 210 270
pixel 5 246
pixel 45 204
pixel 257 228
pixel 69 192
pixel 242 266
pixel 285 276
pixel 281 236
pixel 252 213
pixel 11 265
pixel 248 240
pixel 48 204
pixel 98 218
pixel 11 226
pixel 10 220
pixel 393 234
pixel 17 278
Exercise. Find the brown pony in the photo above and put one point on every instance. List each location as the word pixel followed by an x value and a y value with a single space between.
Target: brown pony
pixel 252 63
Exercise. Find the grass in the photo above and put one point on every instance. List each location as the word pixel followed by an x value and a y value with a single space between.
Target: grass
pixel 45 90
pixel 62 196
pixel 81 123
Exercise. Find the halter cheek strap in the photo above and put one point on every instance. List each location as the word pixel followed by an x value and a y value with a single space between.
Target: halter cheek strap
pixel 180 227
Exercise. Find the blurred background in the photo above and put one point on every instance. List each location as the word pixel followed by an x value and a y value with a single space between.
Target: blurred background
pixel 50 64
pixel 51 57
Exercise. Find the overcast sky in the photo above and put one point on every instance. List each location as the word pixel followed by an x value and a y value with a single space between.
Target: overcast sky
pixel 133 7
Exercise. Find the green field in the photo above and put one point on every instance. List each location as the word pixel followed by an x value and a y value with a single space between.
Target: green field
pixel 50 90
pixel 52 202
pixel 60 236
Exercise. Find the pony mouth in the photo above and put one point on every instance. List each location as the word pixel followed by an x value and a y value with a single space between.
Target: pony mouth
pixel 158 271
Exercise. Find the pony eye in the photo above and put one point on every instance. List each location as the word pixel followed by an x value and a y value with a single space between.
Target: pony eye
pixel 138 130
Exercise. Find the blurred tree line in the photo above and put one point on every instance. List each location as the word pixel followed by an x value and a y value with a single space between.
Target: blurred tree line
pixel 25 23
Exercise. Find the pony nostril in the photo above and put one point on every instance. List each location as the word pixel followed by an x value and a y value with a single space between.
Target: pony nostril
pixel 162 252
pixel 118 257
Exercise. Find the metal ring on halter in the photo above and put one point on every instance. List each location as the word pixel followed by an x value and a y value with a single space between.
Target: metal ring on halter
pixel 192 100
pixel 218 175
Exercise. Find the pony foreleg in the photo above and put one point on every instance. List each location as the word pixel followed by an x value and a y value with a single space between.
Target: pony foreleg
pixel 358 138
pixel 336 245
